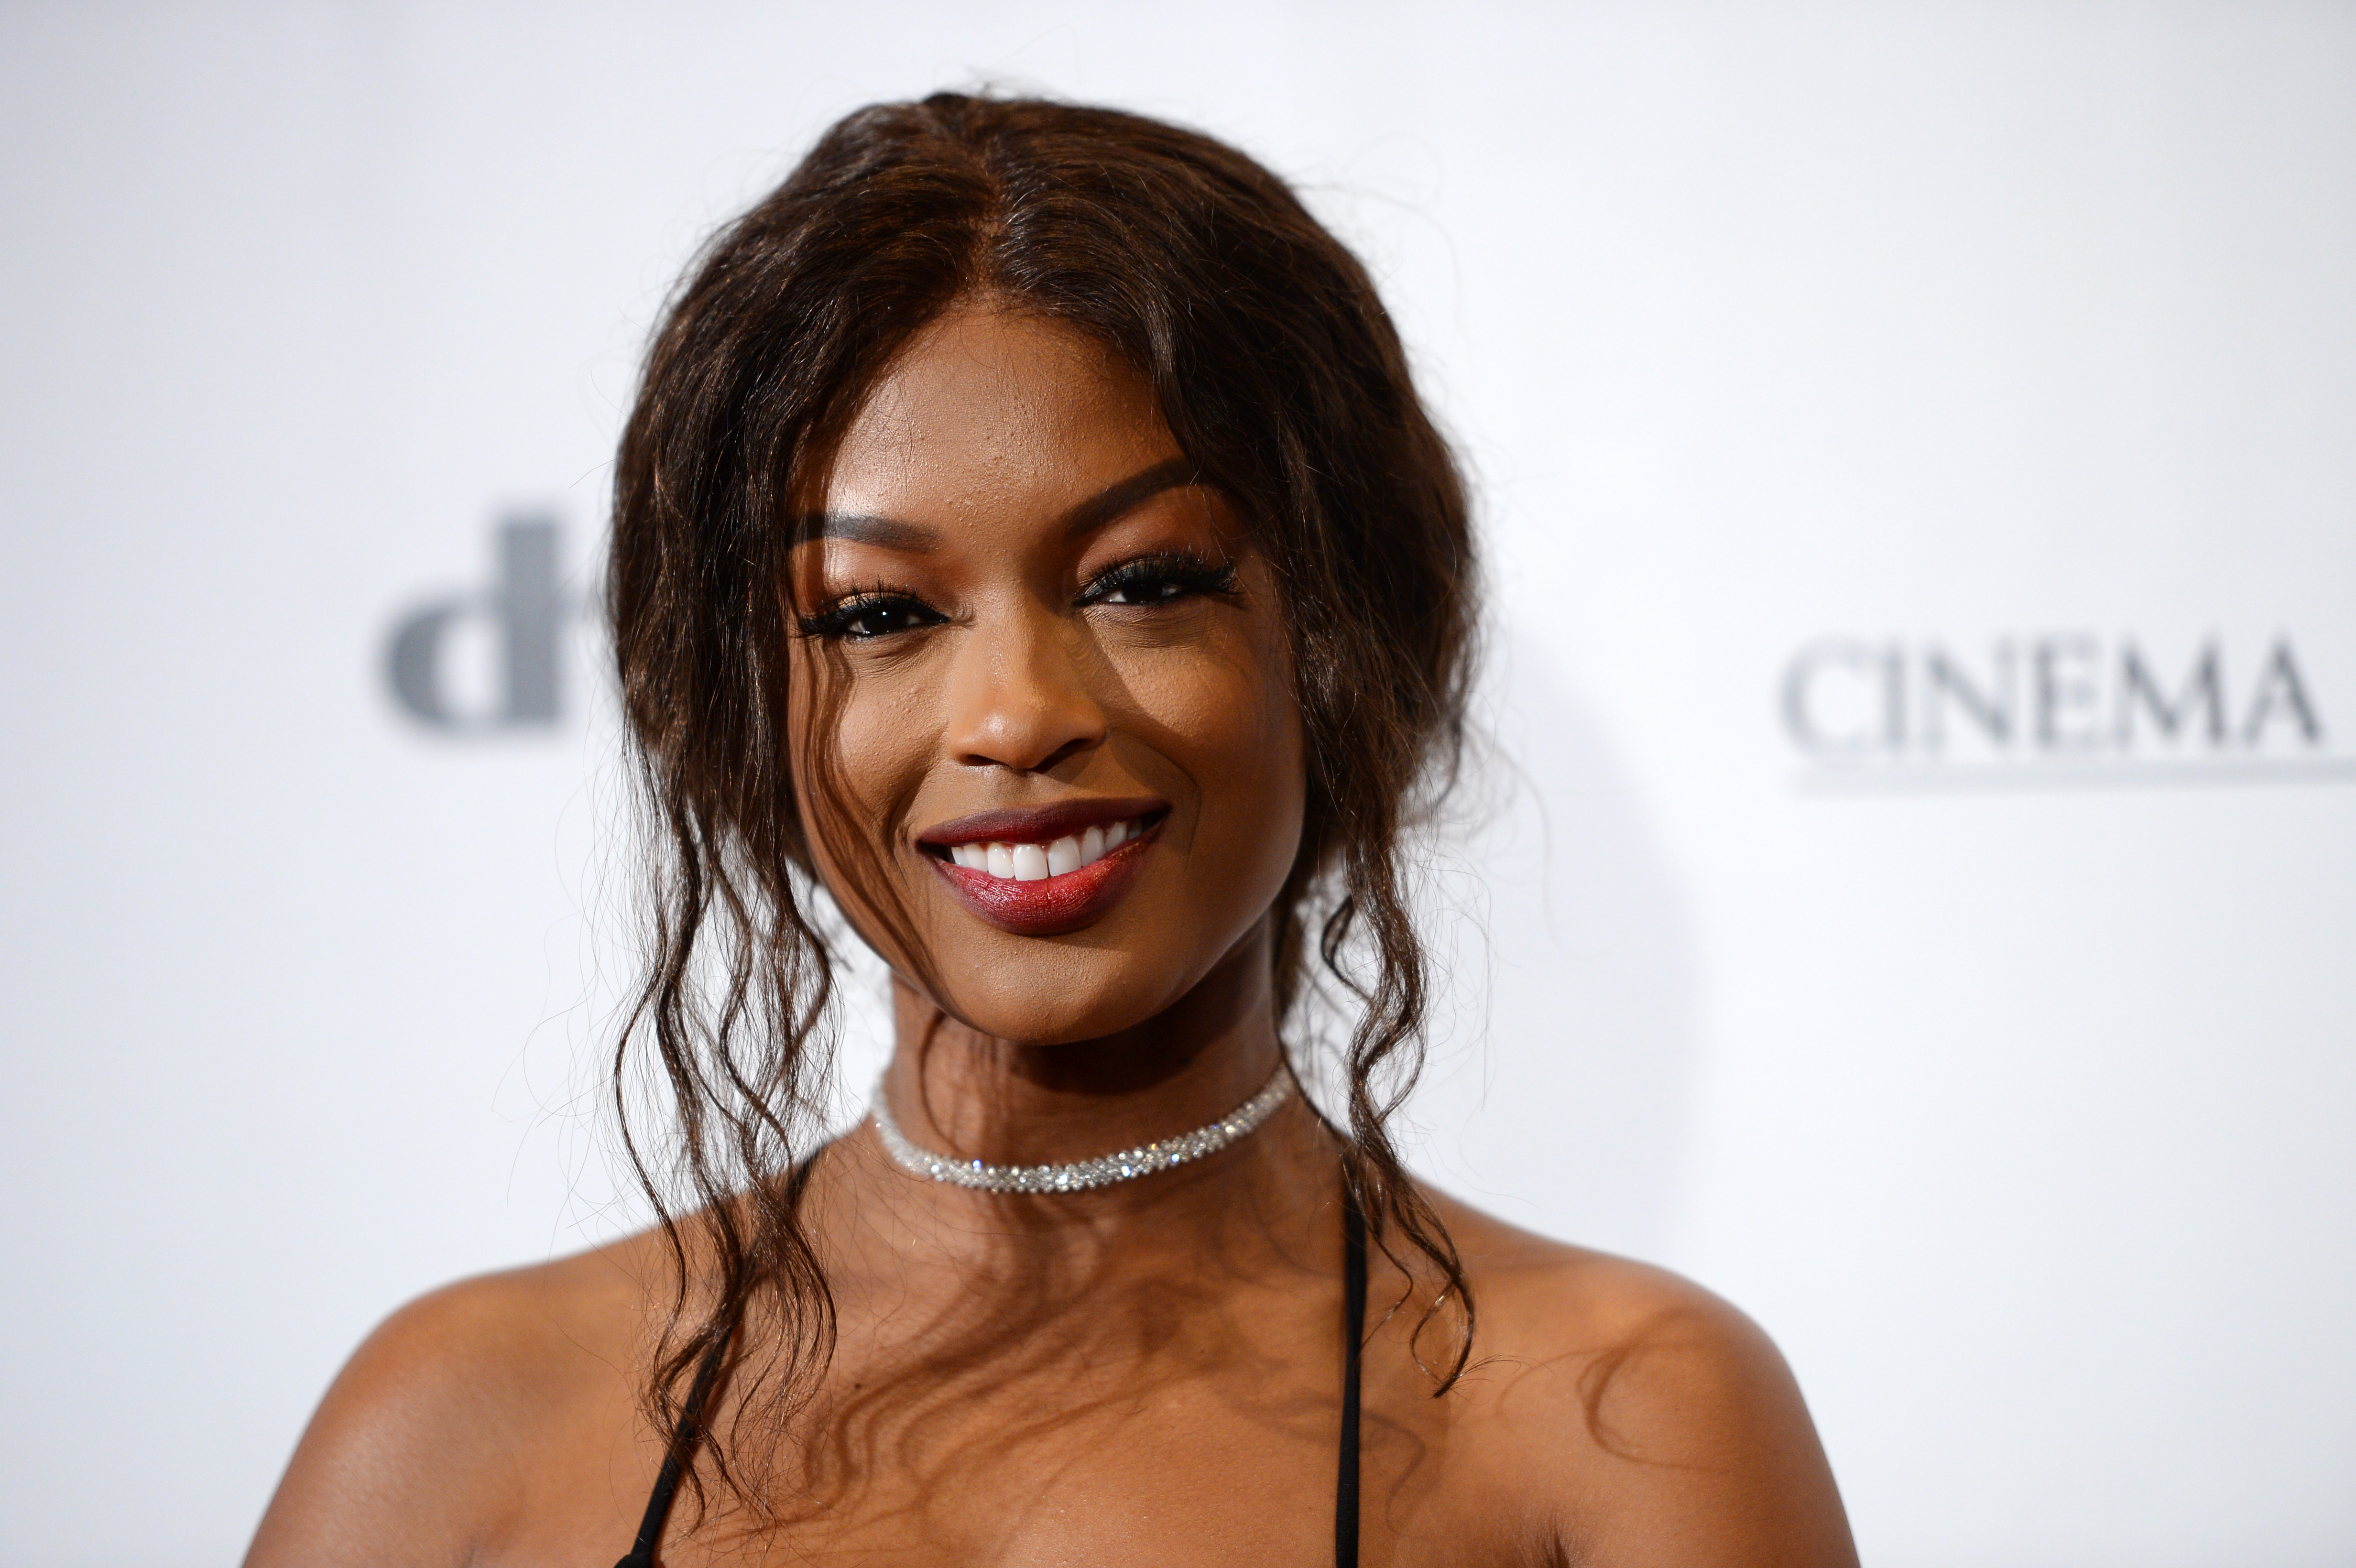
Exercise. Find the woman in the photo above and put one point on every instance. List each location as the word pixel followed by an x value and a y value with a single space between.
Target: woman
pixel 1028 534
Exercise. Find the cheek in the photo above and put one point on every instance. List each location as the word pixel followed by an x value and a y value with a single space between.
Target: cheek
pixel 1228 719
pixel 858 755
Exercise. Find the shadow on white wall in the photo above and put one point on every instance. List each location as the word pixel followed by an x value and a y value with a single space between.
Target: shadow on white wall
pixel 1566 1034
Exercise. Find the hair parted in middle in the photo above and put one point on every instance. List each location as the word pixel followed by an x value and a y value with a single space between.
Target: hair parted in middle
pixel 1284 382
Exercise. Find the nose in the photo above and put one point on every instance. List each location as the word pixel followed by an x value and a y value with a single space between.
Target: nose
pixel 1019 696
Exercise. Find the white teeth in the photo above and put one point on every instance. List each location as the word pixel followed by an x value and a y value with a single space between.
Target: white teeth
pixel 1036 862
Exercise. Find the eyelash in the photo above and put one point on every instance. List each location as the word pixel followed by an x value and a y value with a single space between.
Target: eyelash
pixel 1184 571
pixel 841 619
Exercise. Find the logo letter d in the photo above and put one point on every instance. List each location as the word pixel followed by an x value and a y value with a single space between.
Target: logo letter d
pixel 523 603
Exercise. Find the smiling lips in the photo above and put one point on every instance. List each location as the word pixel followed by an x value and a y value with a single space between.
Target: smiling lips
pixel 1036 863
pixel 1047 869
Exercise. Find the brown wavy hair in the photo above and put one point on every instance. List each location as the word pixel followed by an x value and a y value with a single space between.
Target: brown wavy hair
pixel 1284 382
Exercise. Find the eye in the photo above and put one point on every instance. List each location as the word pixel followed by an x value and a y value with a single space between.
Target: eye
pixel 1162 577
pixel 864 617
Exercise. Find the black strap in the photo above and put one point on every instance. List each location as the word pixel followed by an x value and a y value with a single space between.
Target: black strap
pixel 1353 1333
pixel 690 1433
pixel 683 1441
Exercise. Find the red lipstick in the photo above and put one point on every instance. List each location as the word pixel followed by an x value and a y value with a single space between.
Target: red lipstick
pixel 1043 871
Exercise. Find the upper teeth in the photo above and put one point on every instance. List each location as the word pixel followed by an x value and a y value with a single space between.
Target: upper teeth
pixel 1037 862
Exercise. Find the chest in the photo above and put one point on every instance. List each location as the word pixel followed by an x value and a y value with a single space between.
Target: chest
pixel 1211 1439
pixel 1235 1459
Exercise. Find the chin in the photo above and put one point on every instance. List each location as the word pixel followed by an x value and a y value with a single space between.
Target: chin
pixel 1025 1020
pixel 1047 1003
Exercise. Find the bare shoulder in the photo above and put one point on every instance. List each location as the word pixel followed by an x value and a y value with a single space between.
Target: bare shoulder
pixel 429 1440
pixel 1652 1421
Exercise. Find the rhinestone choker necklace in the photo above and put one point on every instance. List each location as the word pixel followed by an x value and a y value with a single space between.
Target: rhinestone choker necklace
pixel 1080 1175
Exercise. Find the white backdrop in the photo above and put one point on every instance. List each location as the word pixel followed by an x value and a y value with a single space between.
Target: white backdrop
pixel 1918 886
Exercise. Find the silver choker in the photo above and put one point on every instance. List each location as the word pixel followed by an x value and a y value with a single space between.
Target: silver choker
pixel 1080 1175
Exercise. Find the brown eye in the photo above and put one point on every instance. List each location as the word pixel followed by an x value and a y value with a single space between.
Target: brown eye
pixel 868 617
pixel 1145 590
pixel 1160 578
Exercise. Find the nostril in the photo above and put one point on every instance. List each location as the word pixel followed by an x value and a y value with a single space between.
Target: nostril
pixel 1075 747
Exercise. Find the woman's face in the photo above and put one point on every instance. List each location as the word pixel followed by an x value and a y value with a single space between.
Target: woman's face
pixel 1065 743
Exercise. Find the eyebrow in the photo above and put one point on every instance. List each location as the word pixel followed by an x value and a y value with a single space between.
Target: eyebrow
pixel 1115 499
pixel 865 528
pixel 1086 517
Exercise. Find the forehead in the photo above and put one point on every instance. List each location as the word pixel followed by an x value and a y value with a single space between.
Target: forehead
pixel 988 409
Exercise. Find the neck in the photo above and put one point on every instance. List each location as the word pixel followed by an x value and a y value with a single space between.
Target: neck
pixel 960 1092
pixel 1175 1263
